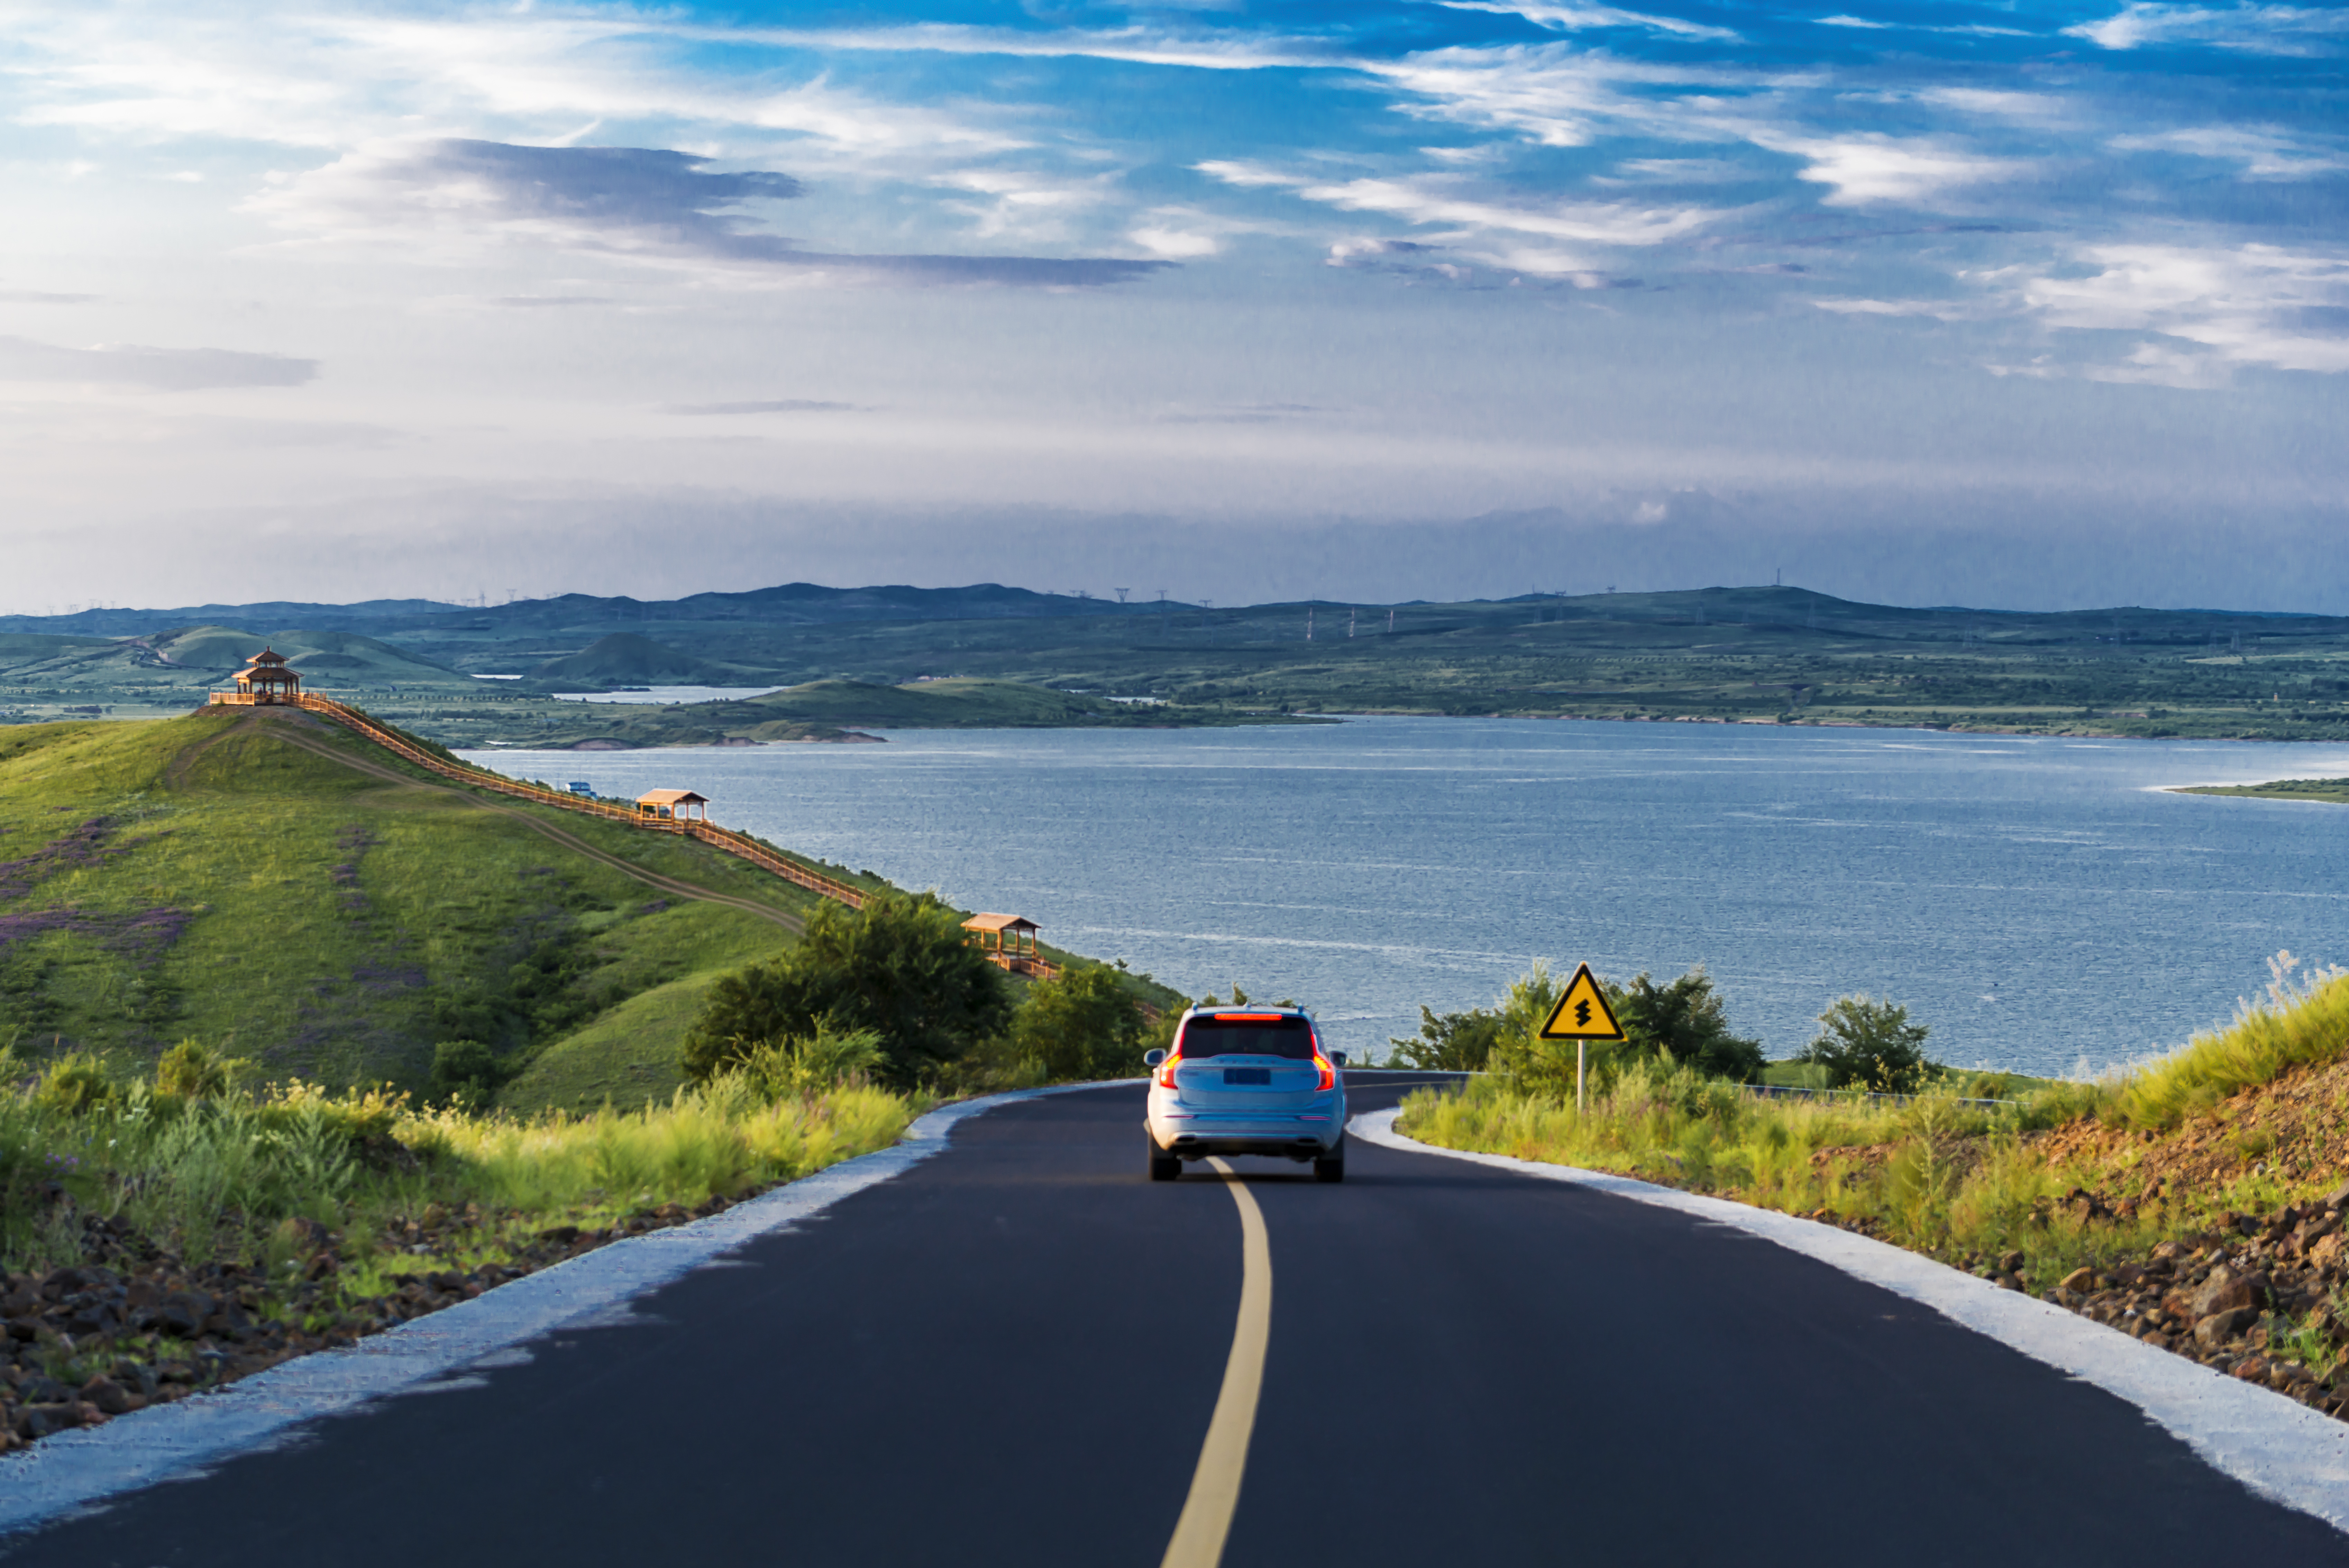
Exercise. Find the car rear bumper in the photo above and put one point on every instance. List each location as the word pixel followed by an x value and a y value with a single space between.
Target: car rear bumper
pixel 1197 1134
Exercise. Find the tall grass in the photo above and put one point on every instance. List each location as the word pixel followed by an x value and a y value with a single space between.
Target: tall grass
pixel 716 1141
pixel 2296 1024
pixel 1935 1174
pixel 215 1177
pixel 1938 1173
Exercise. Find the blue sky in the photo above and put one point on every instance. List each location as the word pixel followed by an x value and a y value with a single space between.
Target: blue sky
pixel 2031 305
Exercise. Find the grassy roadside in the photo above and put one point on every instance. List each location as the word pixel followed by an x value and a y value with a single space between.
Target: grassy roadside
pixel 255 883
pixel 2195 1203
pixel 157 1242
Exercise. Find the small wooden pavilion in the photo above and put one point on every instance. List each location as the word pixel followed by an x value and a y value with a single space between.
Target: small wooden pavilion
pixel 269 679
pixel 1009 941
pixel 682 804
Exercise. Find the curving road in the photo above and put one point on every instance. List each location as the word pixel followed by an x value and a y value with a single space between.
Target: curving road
pixel 1012 1353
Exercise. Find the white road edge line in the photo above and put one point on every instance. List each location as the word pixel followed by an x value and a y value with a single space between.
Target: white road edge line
pixel 2281 1449
pixel 76 1470
pixel 1215 1494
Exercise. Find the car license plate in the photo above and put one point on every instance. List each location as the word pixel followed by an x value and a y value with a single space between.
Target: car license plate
pixel 1248 1076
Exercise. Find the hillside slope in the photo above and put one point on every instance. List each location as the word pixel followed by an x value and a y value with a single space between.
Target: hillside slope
pixel 624 659
pixel 270 884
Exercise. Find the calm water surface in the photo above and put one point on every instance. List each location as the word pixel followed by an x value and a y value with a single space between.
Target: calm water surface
pixel 2039 902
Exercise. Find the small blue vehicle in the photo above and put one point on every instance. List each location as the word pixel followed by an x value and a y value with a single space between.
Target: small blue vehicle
pixel 1246 1080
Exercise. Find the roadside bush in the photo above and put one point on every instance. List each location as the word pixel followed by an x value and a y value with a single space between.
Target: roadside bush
pixel 1081 1024
pixel 1448 1043
pixel 1687 1021
pixel 900 967
pixel 192 1073
pixel 467 1072
pixel 1871 1044
pixel 76 1083
pixel 801 1069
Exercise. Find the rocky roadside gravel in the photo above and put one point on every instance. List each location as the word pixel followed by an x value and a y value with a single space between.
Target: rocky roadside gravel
pixel 131 1326
pixel 2254 1298
pixel 2231 1300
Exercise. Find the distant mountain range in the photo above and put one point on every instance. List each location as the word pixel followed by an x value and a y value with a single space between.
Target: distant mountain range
pixel 481 674
pixel 792 604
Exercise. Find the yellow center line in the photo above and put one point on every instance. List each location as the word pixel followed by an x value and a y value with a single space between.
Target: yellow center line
pixel 1223 1460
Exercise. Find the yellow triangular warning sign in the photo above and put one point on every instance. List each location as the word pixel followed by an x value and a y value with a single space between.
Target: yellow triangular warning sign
pixel 1582 1012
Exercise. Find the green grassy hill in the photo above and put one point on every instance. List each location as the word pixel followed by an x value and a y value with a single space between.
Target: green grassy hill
pixel 818 710
pixel 624 659
pixel 948 704
pixel 269 884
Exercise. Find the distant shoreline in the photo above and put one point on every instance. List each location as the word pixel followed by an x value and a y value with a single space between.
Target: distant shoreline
pixel 2308 792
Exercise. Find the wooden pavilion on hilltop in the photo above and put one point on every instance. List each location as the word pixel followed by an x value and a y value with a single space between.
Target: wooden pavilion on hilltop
pixel 1010 942
pixel 682 804
pixel 269 679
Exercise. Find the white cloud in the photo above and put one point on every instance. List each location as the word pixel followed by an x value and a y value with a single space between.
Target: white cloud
pixel 1174 245
pixel 1675 172
pixel 1871 169
pixel 2249 305
pixel 2265 152
pixel 1562 97
pixel 457 194
pixel 307 79
pixel 765 406
pixel 1967 29
pixel 1448 200
pixel 2166 365
pixel 2036 109
pixel 2255 29
pixel 1938 310
pixel 149 369
pixel 451 199
pixel 1573 18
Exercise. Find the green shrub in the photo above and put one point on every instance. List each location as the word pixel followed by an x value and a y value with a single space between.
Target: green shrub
pixel 803 1069
pixel 1449 1042
pixel 467 1072
pixel 76 1084
pixel 901 968
pixel 192 1073
pixel 1867 1043
pixel 1686 1019
pixel 1081 1024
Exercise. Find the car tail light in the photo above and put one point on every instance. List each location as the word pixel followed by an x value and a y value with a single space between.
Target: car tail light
pixel 1167 1068
pixel 1328 1073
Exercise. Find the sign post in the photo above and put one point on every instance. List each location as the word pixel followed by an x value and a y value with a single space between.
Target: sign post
pixel 1581 1015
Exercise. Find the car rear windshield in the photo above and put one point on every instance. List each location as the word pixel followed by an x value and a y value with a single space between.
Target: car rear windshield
pixel 1229 1034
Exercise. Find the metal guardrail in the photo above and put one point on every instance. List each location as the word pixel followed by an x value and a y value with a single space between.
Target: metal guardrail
pixel 742 846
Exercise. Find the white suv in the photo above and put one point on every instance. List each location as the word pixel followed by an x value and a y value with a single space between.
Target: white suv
pixel 1246 1080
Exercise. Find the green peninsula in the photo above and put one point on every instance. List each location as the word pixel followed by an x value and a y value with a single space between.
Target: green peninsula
pixel 2335 790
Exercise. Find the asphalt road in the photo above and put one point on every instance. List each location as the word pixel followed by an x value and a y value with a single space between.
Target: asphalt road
pixel 1010 1355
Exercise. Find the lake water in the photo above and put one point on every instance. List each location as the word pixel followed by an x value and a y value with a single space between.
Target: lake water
pixel 2039 902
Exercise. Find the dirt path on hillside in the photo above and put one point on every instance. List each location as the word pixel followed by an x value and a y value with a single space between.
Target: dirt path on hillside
pixel 317 746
